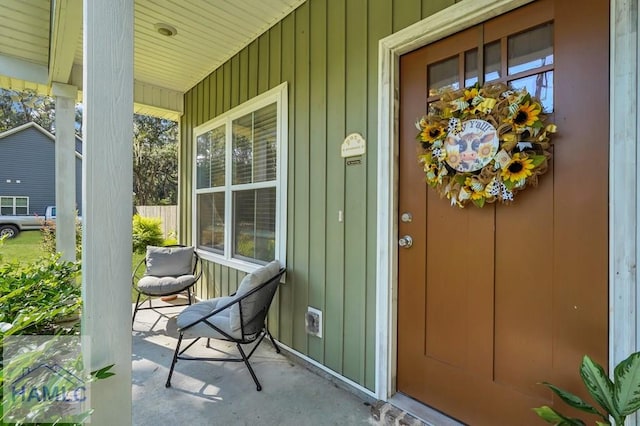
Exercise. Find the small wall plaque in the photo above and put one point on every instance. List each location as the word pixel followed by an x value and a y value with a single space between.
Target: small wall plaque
pixel 353 145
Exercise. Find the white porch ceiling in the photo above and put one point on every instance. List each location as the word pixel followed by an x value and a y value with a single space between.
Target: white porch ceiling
pixel 41 43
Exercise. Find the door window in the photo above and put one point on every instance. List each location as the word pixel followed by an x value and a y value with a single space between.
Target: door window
pixel 528 63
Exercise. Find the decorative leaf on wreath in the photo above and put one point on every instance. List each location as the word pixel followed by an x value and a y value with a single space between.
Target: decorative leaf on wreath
pixel 538 160
pixel 484 144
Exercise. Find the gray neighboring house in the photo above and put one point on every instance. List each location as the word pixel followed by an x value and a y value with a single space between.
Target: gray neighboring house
pixel 27 174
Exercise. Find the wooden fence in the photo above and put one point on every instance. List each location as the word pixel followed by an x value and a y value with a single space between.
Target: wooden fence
pixel 168 215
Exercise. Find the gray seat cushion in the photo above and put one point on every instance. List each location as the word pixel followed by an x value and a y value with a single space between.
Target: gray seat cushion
pixel 161 286
pixel 169 261
pixel 201 309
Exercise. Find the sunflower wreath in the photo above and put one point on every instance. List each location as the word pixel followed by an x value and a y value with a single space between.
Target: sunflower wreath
pixel 484 144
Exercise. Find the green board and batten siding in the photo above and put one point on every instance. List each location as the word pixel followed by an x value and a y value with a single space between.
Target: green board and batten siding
pixel 327 51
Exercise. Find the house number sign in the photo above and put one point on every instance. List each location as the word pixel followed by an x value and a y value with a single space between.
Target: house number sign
pixel 353 145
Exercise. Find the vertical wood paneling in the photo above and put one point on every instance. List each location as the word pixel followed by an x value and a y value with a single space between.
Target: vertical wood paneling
pixel 253 69
pixel 199 106
pixel 263 63
pixel 206 113
pixel 211 94
pixel 202 289
pixel 235 81
pixel 224 281
pixel 216 287
pixel 219 91
pixel 327 51
pixel 318 165
pixel 233 280
pixel 205 103
pixel 244 75
pixel 288 74
pixel 301 179
pixel 429 7
pixel 275 55
pixel 218 277
pixel 226 68
pixel 334 271
pixel 355 195
pixel 208 280
pixel 405 13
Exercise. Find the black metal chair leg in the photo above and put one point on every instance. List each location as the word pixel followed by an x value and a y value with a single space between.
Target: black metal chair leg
pixel 173 363
pixel 246 361
pixel 273 342
pixel 135 310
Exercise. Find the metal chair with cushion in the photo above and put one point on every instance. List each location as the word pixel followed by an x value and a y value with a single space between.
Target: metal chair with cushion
pixel 239 318
pixel 167 271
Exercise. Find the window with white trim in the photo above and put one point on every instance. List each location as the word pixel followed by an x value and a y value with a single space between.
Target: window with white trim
pixel 14 205
pixel 240 183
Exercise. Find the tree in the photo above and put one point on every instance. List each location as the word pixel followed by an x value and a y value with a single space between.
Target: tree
pixel 155 160
pixel 155 143
pixel 17 108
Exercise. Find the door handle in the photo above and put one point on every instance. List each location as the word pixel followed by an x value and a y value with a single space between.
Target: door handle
pixel 406 241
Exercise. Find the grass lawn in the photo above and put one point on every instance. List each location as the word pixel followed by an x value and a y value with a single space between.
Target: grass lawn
pixel 27 248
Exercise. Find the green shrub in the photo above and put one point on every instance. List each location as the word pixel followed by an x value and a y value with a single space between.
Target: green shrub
pixel 35 297
pixel 172 239
pixel 146 232
pixel 39 298
pixel 49 238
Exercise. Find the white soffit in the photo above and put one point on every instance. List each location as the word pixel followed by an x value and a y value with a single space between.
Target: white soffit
pixel 209 32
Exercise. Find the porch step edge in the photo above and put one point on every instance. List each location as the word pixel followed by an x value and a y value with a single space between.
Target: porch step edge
pixel 387 414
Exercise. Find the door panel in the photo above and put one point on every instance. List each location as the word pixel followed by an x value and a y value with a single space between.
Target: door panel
pixel 492 301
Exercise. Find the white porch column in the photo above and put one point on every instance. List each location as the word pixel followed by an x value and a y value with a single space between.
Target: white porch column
pixel 107 202
pixel 624 182
pixel 65 96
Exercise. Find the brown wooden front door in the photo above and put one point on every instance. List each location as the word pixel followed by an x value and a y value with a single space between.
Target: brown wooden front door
pixel 493 300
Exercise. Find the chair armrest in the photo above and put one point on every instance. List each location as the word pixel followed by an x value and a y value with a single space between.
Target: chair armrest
pixel 197 266
pixel 136 275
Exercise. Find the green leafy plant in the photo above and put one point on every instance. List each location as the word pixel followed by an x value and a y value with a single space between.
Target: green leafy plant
pixel 49 237
pixel 35 297
pixel 617 399
pixel 38 298
pixel 172 239
pixel 146 232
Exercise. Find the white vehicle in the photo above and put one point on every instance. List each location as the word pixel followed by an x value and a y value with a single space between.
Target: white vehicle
pixel 10 226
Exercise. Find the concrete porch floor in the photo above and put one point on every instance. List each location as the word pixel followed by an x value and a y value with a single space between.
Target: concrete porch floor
pixel 223 393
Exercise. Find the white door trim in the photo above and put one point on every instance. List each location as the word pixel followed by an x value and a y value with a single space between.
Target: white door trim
pixel 624 179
